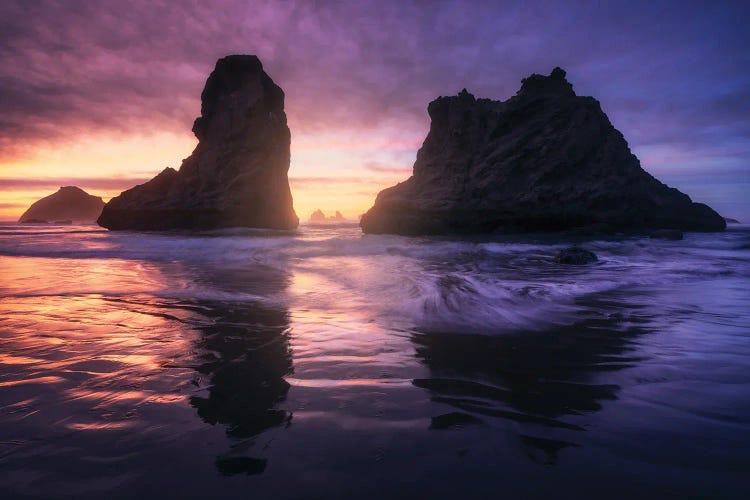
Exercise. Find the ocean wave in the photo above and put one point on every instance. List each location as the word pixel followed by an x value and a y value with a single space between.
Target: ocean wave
pixel 435 284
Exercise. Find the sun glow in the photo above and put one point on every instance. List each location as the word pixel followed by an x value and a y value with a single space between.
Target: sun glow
pixel 101 164
pixel 328 171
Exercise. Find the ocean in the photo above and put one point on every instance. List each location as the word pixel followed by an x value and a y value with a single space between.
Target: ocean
pixel 324 363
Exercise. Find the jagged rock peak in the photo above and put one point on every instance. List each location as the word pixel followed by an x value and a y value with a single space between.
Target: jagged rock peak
pixel 466 95
pixel 234 79
pixel 555 83
pixel 317 216
pixel 543 160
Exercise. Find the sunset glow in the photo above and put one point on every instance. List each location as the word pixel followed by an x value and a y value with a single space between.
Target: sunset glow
pixel 348 169
pixel 530 277
pixel 117 106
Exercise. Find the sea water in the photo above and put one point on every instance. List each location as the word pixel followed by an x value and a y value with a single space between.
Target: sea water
pixel 325 363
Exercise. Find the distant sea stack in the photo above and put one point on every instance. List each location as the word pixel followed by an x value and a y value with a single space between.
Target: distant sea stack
pixel 544 160
pixel 68 204
pixel 238 173
pixel 319 217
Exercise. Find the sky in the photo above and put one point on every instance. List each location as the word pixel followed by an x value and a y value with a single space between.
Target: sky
pixel 102 95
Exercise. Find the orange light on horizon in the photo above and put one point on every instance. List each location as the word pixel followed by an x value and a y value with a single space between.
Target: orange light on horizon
pixel 331 172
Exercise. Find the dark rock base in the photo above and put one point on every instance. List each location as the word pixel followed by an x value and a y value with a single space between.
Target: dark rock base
pixel 576 256
pixel 160 220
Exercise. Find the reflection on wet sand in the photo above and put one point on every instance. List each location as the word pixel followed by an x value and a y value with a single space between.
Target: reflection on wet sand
pixel 243 355
pixel 536 380
pixel 137 364
pixel 108 365
pixel 245 358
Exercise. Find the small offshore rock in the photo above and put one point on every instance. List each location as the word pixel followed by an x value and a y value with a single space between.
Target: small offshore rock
pixel 68 203
pixel 667 234
pixel 317 216
pixel 575 256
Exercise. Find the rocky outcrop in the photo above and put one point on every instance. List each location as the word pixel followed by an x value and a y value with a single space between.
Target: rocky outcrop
pixel 237 174
pixel 68 203
pixel 318 217
pixel 575 256
pixel 544 160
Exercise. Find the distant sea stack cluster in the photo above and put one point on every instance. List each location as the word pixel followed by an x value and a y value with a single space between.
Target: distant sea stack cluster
pixel 238 173
pixel 318 217
pixel 544 160
pixel 69 204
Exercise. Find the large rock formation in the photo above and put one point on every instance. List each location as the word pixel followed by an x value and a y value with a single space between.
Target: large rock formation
pixel 237 174
pixel 69 203
pixel 544 160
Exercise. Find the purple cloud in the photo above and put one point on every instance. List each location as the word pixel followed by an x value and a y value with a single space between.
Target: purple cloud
pixel 673 76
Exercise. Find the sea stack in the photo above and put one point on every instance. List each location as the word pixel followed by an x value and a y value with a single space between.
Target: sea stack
pixel 544 160
pixel 69 203
pixel 318 217
pixel 238 173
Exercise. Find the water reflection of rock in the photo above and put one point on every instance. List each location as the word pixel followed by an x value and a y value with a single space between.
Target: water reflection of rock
pixel 245 355
pixel 533 379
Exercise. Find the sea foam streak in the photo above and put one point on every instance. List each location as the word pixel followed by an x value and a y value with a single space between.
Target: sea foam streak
pixel 267 355
pixel 434 284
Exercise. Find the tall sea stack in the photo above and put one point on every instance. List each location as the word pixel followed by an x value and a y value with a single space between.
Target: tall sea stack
pixel 237 174
pixel 544 160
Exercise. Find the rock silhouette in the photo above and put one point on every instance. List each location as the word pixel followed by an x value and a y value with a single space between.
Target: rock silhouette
pixel 575 256
pixel 538 380
pixel 319 217
pixel 237 174
pixel 544 160
pixel 68 204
